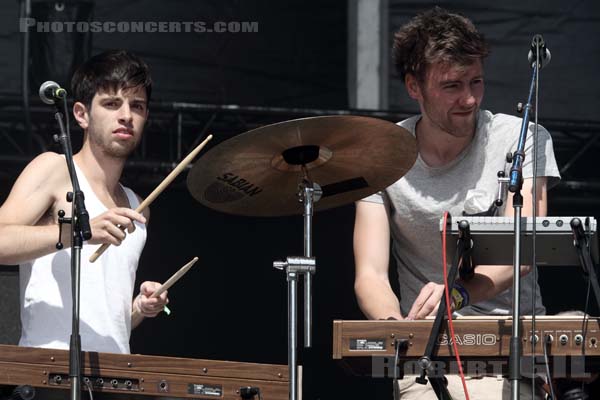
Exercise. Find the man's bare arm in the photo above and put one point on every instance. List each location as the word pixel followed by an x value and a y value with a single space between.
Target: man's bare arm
pixel 28 230
pixel 31 198
pixel 371 253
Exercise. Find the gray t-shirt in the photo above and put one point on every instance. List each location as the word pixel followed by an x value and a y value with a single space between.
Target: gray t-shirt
pixel 416 203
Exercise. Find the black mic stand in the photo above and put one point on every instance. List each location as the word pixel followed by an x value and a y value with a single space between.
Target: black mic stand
pixel 515 186
pixel 462 257
pixel 80 231
pixel 581 241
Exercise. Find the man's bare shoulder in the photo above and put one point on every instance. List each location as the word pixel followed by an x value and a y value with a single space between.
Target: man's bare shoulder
pixel 48 158
pixel 47 169
pixel 38 186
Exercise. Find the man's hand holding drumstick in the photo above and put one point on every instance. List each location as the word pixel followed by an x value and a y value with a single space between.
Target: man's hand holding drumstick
pixel 153 296
pixel 116 234
pixel 110 226
pixel 147 305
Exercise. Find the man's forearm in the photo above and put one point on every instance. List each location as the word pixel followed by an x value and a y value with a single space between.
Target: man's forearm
pixel 377 300
pixel 19 243
pixel 136 315
pixel 489 281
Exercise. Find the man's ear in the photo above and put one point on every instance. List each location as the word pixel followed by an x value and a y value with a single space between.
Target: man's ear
pixel 412 86
pixel 81 114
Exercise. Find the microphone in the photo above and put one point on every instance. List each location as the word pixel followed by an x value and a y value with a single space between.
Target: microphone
pixel 51 92
pixel 545 55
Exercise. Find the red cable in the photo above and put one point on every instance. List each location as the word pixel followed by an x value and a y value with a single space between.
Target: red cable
pixel 449 310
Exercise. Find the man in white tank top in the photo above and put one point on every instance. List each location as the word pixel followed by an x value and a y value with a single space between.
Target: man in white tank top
pixel 111 92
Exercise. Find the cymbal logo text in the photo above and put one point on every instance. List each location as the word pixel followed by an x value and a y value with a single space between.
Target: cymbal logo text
pixel 241 184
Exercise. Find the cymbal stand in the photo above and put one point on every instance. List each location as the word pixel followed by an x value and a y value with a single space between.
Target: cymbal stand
pixel 308 193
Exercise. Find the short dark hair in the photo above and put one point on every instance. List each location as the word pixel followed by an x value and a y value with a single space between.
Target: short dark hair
pixel 436 35
pixel 110 71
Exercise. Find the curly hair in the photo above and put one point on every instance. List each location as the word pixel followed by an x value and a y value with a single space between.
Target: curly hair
pixel 436 36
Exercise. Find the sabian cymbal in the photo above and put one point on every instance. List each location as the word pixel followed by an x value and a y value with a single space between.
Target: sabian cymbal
pixel 257 173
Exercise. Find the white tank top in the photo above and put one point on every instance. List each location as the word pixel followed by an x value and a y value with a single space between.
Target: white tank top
pixel 107 287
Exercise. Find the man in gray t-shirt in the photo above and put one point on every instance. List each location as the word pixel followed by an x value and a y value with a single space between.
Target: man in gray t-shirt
pixel 415 204
pixel 461 149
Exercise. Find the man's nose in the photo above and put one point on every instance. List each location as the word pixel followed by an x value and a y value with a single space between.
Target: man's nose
pixel 125 115
pixel 468 98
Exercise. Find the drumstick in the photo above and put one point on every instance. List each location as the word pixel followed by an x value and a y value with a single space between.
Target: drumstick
pixel 136 317
pixel 166 182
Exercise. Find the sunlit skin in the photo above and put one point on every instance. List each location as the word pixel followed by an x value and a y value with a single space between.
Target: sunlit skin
pixel 449 98
pixel 115 121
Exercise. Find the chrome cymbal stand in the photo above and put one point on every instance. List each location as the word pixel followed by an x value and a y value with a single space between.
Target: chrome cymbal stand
pixel 294 266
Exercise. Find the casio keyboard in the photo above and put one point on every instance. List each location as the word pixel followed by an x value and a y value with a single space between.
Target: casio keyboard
pixel 367 347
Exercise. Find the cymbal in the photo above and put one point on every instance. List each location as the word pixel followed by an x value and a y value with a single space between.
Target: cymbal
pixel 257 173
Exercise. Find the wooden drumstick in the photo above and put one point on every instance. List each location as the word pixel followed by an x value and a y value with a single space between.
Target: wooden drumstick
pixel 166 182
pixel 136 316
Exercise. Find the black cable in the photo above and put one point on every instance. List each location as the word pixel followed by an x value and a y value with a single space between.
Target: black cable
pixel 395 374
pixel 547 343
pixel 584 323
pixel 585 320
pixel 534 231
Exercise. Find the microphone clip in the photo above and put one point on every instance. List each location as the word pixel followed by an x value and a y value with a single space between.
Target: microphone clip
pixel 51 92
pixel 544 56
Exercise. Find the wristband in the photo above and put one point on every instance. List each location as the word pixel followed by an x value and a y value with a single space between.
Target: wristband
pixel 460 297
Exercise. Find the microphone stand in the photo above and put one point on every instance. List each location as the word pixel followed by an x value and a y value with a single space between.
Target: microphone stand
pixel 515 186
pixel 581 241
pixel 80 231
